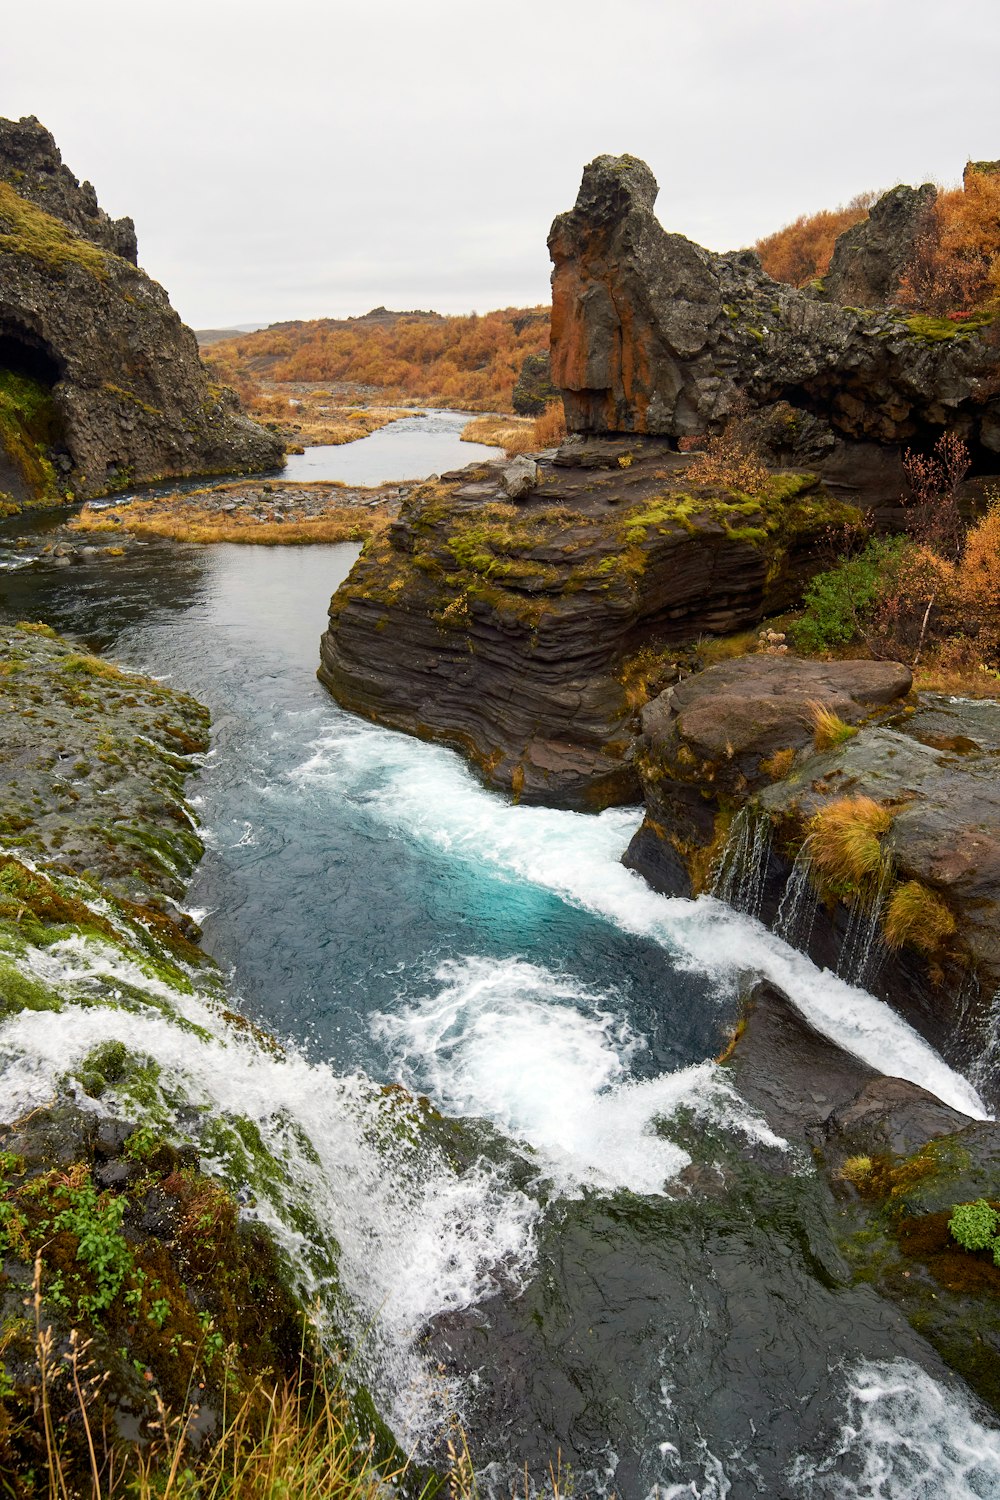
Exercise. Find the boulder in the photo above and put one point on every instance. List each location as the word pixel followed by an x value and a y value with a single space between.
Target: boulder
pixel 519 478
pixel 653 334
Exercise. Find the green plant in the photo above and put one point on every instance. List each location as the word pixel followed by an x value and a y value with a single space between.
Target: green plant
pixel 838 601
pixel 975 1226
pixel 101 1248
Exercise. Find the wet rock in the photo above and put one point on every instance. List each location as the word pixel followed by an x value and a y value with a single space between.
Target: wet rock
pixel 890 1114
pixel 708 742
pixel 796 1077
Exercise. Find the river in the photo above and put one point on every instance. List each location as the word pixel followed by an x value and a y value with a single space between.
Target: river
pixel 389 920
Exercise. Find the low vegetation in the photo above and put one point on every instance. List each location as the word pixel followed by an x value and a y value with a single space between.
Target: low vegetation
pixel 800 252
pixel 27 230
pixel 845 845
pixel 469 362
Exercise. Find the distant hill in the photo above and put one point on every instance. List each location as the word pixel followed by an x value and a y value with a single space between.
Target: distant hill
pixel 470 361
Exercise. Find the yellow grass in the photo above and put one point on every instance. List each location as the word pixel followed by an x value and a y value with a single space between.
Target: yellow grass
pixel 191 524
pixel 498 431
pixel 844 844
pixel 917 916
pixel 829 729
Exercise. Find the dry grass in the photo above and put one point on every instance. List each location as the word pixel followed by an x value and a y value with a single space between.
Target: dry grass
pixel 191 524
pixel 778 765
pixel 844 844
pixel 917 916
pixel 829 729
pixel 550 427
pixel 498 431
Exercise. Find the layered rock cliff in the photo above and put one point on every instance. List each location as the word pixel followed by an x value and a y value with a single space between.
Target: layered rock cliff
pixel 506 629
pixel 651 333
pixel 101 385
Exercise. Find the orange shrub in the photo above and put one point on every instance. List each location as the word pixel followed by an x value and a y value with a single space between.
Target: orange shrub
pixel 471 362
pixel 802 250
pixel 955 266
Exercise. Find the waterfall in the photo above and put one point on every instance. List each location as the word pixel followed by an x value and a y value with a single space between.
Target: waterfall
pixel 863 950
pixel 799 901
pixel 739 876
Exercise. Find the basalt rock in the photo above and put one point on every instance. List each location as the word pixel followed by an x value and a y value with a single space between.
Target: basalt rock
pixel 507 631
pixel 869 259
pixel 653 334
pixel 100 381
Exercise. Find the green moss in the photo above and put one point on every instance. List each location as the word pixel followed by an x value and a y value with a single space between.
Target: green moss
pixel 123 394
pixel 29 425
pixel 19 991
pixel 27 230
pixel 936 330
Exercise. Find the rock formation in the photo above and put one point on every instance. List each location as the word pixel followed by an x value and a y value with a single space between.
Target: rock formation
pixel 922 931
pixel 534 389
pixel 100 381
pixel 653 334
pixel 506 630
pixel 869 259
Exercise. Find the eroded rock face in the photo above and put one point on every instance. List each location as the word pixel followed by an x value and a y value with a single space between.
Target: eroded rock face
pixel 504 630
pixel 652 333
pixel 711 741
pixel 869 259
pixel 104 381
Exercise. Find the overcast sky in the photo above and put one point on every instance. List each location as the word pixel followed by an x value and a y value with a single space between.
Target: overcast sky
pixel 319 158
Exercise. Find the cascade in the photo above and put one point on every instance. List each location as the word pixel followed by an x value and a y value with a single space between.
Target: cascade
pixel 739 880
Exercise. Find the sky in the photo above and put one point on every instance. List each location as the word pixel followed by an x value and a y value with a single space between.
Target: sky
pixel 320 158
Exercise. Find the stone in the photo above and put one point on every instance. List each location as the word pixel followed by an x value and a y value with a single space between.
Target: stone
pixel 518 478
pixel 653 334
pixel 869 259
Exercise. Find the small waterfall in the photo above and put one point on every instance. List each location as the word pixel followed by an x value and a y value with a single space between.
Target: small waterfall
pixel 863 950
pixel 797 909
pixel 739 876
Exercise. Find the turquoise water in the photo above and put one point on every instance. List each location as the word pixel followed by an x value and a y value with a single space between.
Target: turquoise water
pixel 381 911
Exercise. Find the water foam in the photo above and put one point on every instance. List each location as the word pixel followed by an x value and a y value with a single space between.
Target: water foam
pixel 352 1178
pixel 905 1438
pixel 549 1062
pixel 425 793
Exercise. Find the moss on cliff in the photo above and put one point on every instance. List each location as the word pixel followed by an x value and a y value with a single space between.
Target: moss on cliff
pixel 29 425
pixel 27 230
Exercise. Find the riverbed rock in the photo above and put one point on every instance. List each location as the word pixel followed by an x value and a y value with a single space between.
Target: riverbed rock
pixel 507 632
pixel 733 783
pixel 102 381
pixel 518 478
pixel 653 334
pixel 709 742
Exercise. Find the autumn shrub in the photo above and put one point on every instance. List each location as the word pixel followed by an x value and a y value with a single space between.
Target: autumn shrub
pixel 978 573
pixel 731 458
pixel 955 264
pixel 801 251
pixel 550 427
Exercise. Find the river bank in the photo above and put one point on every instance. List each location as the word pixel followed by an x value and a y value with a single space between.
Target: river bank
pixel 389 921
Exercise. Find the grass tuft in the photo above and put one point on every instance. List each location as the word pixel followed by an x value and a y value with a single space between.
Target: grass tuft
pixel 845 844
pixel 917 916
pixel 829 729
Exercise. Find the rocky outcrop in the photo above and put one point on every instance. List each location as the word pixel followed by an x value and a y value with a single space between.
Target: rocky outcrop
pixel 905 899
pixel 507 630
pixel 869 259
pixel 710 742
pixel 896 1161
pixel 651 333
pixel 100 382
pixel 534 389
